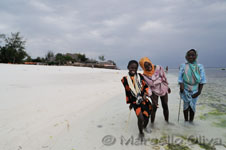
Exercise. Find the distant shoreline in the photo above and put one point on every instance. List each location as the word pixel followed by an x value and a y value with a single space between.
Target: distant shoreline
pixel 81 65
pixel 110 68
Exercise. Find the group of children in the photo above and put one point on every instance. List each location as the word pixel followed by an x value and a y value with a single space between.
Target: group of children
pixel 143 90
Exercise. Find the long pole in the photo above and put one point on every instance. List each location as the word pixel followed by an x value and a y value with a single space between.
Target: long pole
pixel 127 124
pixel 179 109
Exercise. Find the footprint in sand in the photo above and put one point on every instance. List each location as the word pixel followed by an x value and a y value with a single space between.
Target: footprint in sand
pixel 99 126
pixel 45 146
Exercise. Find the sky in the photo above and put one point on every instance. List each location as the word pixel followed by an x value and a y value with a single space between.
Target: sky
pixel 121 30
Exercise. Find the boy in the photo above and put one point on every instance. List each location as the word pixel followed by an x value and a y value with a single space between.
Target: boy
pixel 136 91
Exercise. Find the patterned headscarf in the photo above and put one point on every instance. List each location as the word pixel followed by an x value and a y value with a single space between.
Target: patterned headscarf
pixel 193 70
pixel 147 73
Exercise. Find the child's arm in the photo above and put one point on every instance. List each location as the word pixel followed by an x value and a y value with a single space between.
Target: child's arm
pixel 199 91
pixel 127 89
pixel 203 81
pixel 146 91
pixel 126 86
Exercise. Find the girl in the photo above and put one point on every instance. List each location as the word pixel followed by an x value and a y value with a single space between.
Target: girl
pixel 191 79
pixel 136 91
pixel 155 78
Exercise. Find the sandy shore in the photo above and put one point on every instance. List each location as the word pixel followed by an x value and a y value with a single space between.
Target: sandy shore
pixel 74 108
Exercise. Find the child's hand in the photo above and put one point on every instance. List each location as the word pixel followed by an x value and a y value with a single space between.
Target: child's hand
pixel 181 87
pixel 169 90
pixel 196 95
pixel 154 102
pixel 130 106
pixel 144 96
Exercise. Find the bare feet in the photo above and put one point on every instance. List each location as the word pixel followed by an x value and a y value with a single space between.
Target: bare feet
pixel 147 130
pixel 141 136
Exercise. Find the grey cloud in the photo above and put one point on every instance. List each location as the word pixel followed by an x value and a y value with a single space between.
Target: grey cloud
pixel 121 30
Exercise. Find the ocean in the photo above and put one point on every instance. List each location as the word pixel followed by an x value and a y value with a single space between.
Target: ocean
pixel 211 105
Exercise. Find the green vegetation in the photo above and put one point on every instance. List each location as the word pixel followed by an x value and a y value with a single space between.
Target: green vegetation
pixel 182 145
pixel 176 147
pixel 202 117
pixel 215 113
pixel 101 58
pixel 183 137
pixel 155 141
pixel 207 146
pixel 13 49
pixel 221 124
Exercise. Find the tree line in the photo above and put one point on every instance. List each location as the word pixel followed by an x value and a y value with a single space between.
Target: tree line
pixel 12 50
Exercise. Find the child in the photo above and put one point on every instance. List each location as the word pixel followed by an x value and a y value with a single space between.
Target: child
pixel 155 78
pixel 136 91
pixel 191 79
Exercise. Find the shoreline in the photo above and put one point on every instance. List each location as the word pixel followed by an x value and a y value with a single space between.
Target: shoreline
pixel 174 68
pixel 86 65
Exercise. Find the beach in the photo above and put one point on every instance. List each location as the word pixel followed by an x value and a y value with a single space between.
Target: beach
pixel 78 108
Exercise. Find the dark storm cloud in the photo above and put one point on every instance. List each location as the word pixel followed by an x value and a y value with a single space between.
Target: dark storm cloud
pixel 121 30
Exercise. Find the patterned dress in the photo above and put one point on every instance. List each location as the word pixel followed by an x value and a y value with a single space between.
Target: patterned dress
pixel 145 106
pixel 191 78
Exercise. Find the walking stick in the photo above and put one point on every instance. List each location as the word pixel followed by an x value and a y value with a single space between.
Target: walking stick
pixel 179 109
pixel 128 121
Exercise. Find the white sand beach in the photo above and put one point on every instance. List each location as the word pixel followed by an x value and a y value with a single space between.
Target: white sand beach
pixel 74 108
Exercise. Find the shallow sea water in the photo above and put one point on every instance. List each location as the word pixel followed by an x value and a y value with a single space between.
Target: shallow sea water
pixel 210 118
